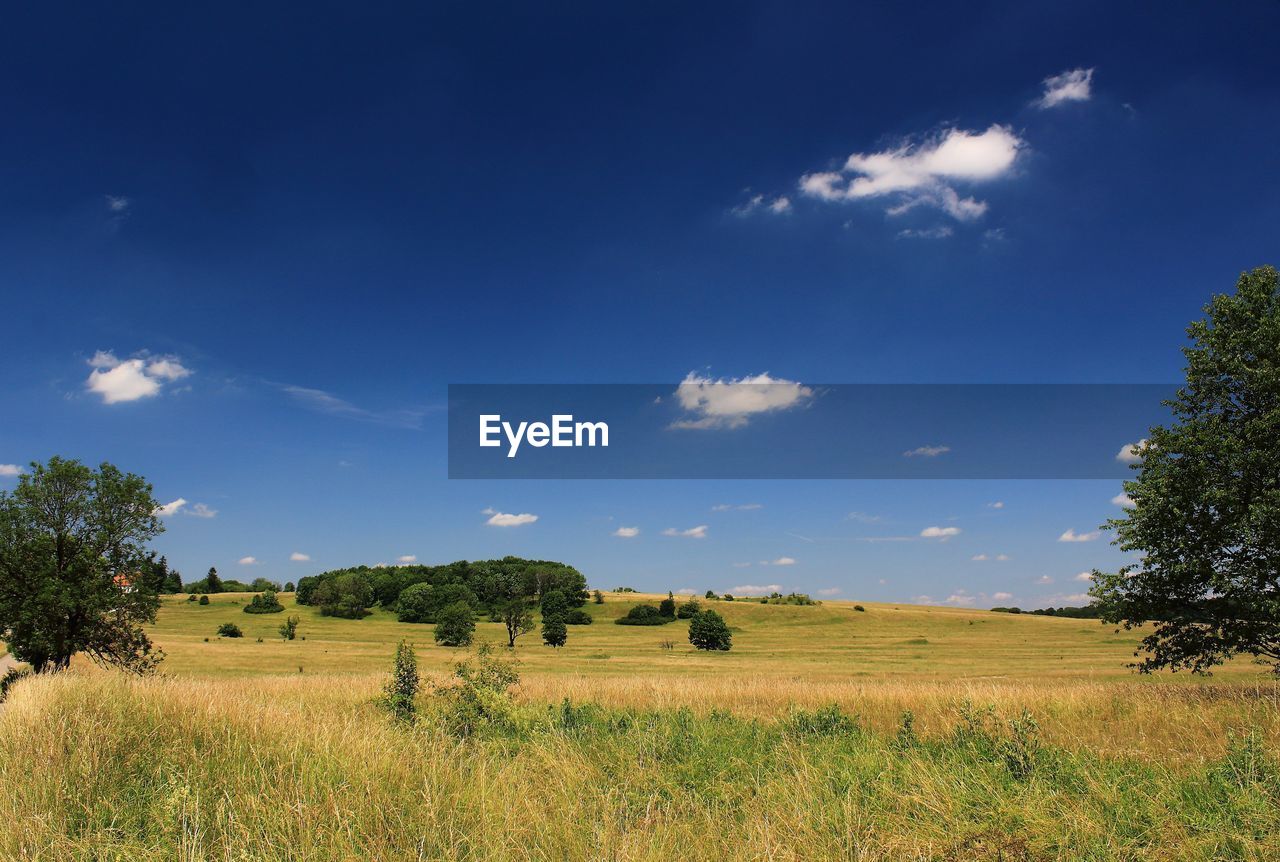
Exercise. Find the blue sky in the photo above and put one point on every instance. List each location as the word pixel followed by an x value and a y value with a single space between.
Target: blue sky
pixel 275 239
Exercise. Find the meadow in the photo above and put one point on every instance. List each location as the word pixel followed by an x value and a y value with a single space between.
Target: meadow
pixel 895 732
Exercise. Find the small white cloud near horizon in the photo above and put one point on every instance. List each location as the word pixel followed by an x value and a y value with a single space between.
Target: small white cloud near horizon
pixel 248 561
pixel 1123 499
pixel 299 557
pixel 756 589
pixel 406 559
pixel 1002 558
pixel 960 598
pixel 687 591
pixel 1002 597
pixel 926 452
pixel 1083 576
pixel 730 402
pixel 781 561
pixel 506 519
pixel 1074 85
pixel 978 558
pixel 1044 579
pixel 1072 536
pixel 1129 453
pixel 698 532
pixel 627 532
pixel 940 532
pixel 922 173
pixel 10 470
pixel 118 381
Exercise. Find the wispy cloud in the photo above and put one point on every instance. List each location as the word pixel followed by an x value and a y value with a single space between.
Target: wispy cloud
pixel 698 532
pixel 939 232
pixel 830 591
pixel 1002 597
pixel 406 559
pixel 1074 85
pixel 781 561
pixel 741 507
pixel 1084 576
pixel 200 510
pixel 998 504
pixel 179 506
pixel 940 532
pixel 1044 579
pixel 732 402
pixel 756 589
pixel 757 203
pixel 118 381
pixel 326 402
pixel 926 452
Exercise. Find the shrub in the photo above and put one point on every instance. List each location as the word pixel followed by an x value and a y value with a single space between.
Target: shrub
pixel 689 609
pixel 643 615
pixel 229 630
pixel 710 594
pixel 860 609
pixel 728 597
pixel 204 600
pixel 289 628
pixel 264 603
pixel 480 693
pixel 554 633
pixel 191 598
pixel 827 720
pixel 402 689
pixel 598 597
pixel 708 631
pixel 12 676
pixel 455 625
pixel 578 617
pixel 288 587
pixel 668 607
pixel 262 585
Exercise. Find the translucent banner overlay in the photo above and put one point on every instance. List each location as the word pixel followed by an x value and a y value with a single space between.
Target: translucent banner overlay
pixel 783 430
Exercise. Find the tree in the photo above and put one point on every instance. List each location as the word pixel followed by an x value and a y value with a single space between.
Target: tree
pixel 1206 500
pixel 554 604
pixel 598 597
pixel 689 609
pixel 402 688
pixel 708 631
pixel 261 585
pixel 455 625
pixel 289 628
pixel 554 631
pixel 229 630
pixel 667 607
pixel 204 600
pixel 266 603
pixel 212 583
pixel 71 557
pixel 517 616
pixel 288 587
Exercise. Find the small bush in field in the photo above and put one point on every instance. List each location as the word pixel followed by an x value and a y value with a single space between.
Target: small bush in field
pixel 402 690
pixel 643 615
pixel 204 600
pixel 578 617
pixel 827 720
pixel 480 693
pixel 265 603
pixel 688 610
pixel 191 598
pixel 598 597
pixel 860 609
pixel 289 628
pixel 229 630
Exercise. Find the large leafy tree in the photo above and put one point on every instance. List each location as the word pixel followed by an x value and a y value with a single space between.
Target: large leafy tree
pixel 73 566
pixel 1206 501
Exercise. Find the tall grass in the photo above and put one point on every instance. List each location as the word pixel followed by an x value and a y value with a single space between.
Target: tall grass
pixel 97 766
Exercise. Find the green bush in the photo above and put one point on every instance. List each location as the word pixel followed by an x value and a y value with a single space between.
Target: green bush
pixel 578 617
pixel 860 609
pixel 289 628
pixel 688 610
pixel 264 603
pixel 191 598
pixel 480 694
pixel 598 597
pixel 402 689
pixel 708 631
pixel 229 630
pixel 667 607
pixel 204 600
pixel 455 625
pixel 643 615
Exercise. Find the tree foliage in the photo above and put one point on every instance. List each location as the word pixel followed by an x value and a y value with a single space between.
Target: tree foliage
pixel 1206 513
pixel 455 625
pixel 708 631
pixel 73 566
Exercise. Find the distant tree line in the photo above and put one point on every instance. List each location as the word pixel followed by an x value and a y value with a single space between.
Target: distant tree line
pixel 1090 612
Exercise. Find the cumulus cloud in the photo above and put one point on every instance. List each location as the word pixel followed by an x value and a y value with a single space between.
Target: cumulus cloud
pixel 960 598
pixel 299 557
pixel 998 504
pixel 1123 499
pixel 10 470
pixel 732 402
pixel 143 376
pixel 406 559
pixel 248 561
pixel 939 532
pixel 504 519
pixel 170 508
pixel 698 532
pixel 1129 452
pixel 756 589
pixel 978 558
pixel 627 532
pixel 781 561
pixel 1002 597
pixel 926 452
pixel 922 173
pixel 1074 85
pixel 1073 536
pixel 1084 576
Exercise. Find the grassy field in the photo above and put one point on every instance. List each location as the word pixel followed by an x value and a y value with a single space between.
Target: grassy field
pixel 1028 740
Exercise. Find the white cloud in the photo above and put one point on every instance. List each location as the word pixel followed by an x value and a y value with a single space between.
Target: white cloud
pixel 10 470
pixel 248 561
pixel 117 203
pixel 781 561
pixel 978 558
pixel 1002 597
pixel 687 591
pixel 940 232
pixel 170 508
pixel 939 532
pixel 756 589
pixel 743 507
pixel 1071 86
pixel 1002 557
pixel 998 504
pixel 960 598
pixel 299 557
pixel 627 532
pixel 830 591
pixel 731 402
pixel 504 519
pixel 922 174
pixel 1073 536
pixel 1044 579
pixel 926 452
pixel 1083 576
pixel 699 532
pixel 143 376
pixel 1123 499
pixel 407 559
pixel 780 205
pixel 200 510
pixel 1128 453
